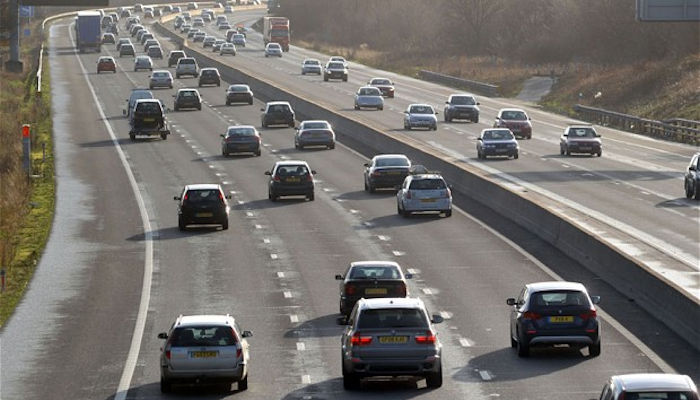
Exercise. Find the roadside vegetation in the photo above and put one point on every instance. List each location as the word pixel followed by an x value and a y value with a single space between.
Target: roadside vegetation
pixel 600 55
pixel 26 203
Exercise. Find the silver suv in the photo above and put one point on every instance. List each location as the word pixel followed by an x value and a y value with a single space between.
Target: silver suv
pixel 186 66
pixel 649 386
pixel 391 337
pixel 201 348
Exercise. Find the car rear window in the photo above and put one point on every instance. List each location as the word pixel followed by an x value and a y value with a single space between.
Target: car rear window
pixel 201 196
pixel 370 92
pixel 148 107
pixel 203 336
pixel 392 318
pixel 292 170
pixel 427 184
pixel 381 82
pixel 392 162
pixel 316 125
pixel 375 272
pixel 421 110
pixel 186 61
pixel 659 396
pixel 238 88
pixel 559 298
pixel 241 132
pixel 514 115
pixel 278 109
pixel 187 94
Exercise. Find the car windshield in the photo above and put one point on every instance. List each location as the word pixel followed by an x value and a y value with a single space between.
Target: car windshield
pixel 241 132
pixel 238 88
pixel 336 65
pixel 148 107
pixel 273 46
pixel 463 101
pixel 498 135
pixel 202 196
pixel 370 92
pixel 375 272
pixel 427 184
pixel 381 82
pixel 315 125
pixel 581 132
pixel 514 115
pixel 186 61
pixel 392 318
pixel 392 162
pixel 421 110
pixel 559 298
pixel 197 336
pixel 292 170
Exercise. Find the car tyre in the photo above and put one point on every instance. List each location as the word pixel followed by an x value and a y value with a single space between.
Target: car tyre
pixel 181 224
pixel 311 197
pixel 250 102
pixel 380 108
pixel 448 213
pixel 523 349
pixel 199 107
pixel 600 153
pixel 513 343
pixel 331 146
pixel 132 136
pixel 351 381
pixel 594 349
pixel 434 379
pixel 165 386
pixel 228 103
pixel 372 189
pixel 476 120
pixel 561 151
pixel 243 384
pixel 224 225
pixel 325 79
pixel 164 136
pixel 515 156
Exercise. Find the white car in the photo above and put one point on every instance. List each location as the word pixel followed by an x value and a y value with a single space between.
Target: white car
pixel 369 97
pixel 273 49
pixel 420 116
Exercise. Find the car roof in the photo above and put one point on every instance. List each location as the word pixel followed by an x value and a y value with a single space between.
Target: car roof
pixel 510 109
pixel 654 382
pixel 494 129
pixel 315 121
pixel 390 302
pixel 425 176
pixel 202 186
pixel 367 87
pixel 555 285
pixel 380 78
pixel 187 90
pixel 575 126
pixel 194 320
pixel 277 103
pixel 147 101
pixel 209 69
pixel 160 71
pixel 240 126
pixel 374 262
pixel 462 94
pixel 390 156
pixel 419 105
pixel 291 162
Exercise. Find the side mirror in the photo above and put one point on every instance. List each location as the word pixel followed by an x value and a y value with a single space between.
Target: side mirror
pixel 408 276
pixel 478 104
pixel 173 95
pixel 405 112
pixel 313 172
pixel 339 277
pixel 447 102
pixel 595 299
pixel 222 135
pixel 366 165
pixel 177 198
pixel 479 138
pixel 565 134
pixel 437 319
pixel 246 334
pixel 436 113
pixel 268 172
pixel 598 135
pixel 691 168
pixel 228 196
pixel 162 335
pixel 510 301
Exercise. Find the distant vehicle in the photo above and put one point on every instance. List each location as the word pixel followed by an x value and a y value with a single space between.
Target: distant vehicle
pixel 239 93
pixel 208 41
pixel 276 30
pixel 424 193
pixel 136 94
pixel 339 59
pixel 127 50
pixel 291 178
pixel 369 97
pixel 186 66
pixel 167 8
pixel 148 14
pixel 202 204
pixel 273 49
pixel 227 48
pixel 199 37
pixel 238 40
pixel 157 12
pixel 175 55
pixel 192 6
pixel 150 43
pixel 277 113
pixel 391 337
pixel 198 22
pixel 221 19
pixel 187 98
pixel 186 28
pixel 106 63
pixel 691 181
pixel 228 10
pixel 383 84
pixel 209 76
pixel 554 313
pixel 461 106
pixel 135 28
pixel 161 78
pixel 155 52
pixel 314 133
pixel 106 21
pixel 420 116
pixel 516 120
pixel 144 35
pixel 88 31
pixel 370 279
pixel 241 139
pixel 335 70
pixel 122 41
pixel 216 47
pixel 386 171
pixel 206 18
pixel 497 142
pixel 580 139
pixel 194 31
pixel 649 386
pixel 311 66
pixel 126 13
pixel 177 9
pixel 224 26
pixel 143 62
pixel 148 118
pixel 108 38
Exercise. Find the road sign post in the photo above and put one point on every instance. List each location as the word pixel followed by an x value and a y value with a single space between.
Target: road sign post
pixel 26 149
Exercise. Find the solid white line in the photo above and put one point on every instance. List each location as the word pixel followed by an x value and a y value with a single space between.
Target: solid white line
pixel 397 253
pixel 139 326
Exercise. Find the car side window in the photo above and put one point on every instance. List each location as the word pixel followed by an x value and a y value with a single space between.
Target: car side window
pixel 521 297
pixel 607 393
pixel 696 162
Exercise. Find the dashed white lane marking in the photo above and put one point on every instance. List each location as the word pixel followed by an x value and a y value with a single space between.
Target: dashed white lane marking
pixel 211 166
pixel 339 200
pixel 398 253
pixel 566 166
pixel 413 271
pixel 273 256
pixel 258 226
pixel 368 224
pixel 225 182
pixel 266 240
pixel 646 193
pixel 306 379
pixel 353 211
pixel 294 318
pixel 328 190
pixel 240 202
pixel 383 238
pixel 446 315
pixel 287 294
pixel 485 375
pixel 280 274
pixel 249 214
pixel 427 291
pixel 220 174
pixel 464 342
pixel 301 346
pixel 284 157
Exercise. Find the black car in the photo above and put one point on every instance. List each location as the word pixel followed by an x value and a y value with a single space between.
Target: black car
pixel 239 94
pixel 277 113
pixel 580 139
pixel 370 279
pixel 209 76
pixel 202 204
pixel 187 98
pixel 175 55
pixel 290 178
pixel 692 178
pixel 127 50
pixel 554 313
pixel 240 139
pixel 461 106
pixel 386 171
pixel 148 118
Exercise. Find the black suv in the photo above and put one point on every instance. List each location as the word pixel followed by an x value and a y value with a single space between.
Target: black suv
pixel 290 178
pixel 209 76
pixel 187 98
pixel 692 178
pixel 461 106
pixel 277 113
pixel 148 118
pixel 175 55
pixel 202 204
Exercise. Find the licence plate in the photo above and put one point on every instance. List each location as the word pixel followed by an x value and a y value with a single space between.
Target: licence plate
pixel 292 180
pixel 427 200
pixel 375 291
pixel 501 150
pixel 149 119
pixel 203 354
pixel 561 319
pixel 205 214
pixel 393 339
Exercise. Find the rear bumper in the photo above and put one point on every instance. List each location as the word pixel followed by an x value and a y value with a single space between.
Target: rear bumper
pixel 367 367
pixel 437 205
pixel 242 147
pixel 190 218
pixel 551 340
pixel 283 190
pixel 205 375
pixel 316 142
pixel 488 151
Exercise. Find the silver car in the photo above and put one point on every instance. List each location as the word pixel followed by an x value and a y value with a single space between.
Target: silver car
pixel 273 49
pixel 186 66
pixel 161 78
pixel 227 48
pixel 391 337
pixel 208 41
pixel 143 62
pixel 216 47
pixel 420 116
pixel 314 133
pixel 424 193
pixel 369 97
pixel 649 386
pixel 204 348
pixel 311 66
pixel 238 39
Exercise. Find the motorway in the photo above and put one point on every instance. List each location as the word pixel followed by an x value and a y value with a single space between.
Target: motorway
pixel 116 260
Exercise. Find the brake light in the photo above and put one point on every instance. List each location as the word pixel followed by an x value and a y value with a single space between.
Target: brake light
pixel 408 194
pixel 238 353
pixel 358 340
pixel 276 178
pixel 221 196
pixel 186 196
pixel 531 315
pixel 590 314
pixel 309 178
pixel 350 289
pixel 428 338
pixel 375 174
pixel 401 290
pixel 167 354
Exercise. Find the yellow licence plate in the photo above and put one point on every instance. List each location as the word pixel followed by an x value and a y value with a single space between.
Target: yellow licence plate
pixel 427 200
pixel 292 180
pixel 561 319
pixel 203 354
pixel 375 291
pixel 203 215
pixel 149 119
pixel 393 339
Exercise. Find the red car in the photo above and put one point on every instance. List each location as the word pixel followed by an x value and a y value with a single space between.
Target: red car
pixel 516 120
pixel 106 64
pixel 383 84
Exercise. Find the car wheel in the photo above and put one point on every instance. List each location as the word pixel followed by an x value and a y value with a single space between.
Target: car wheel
pixel 448 213
pixel 515 156
pixel 250 102
pixel 367 187
pixel 513 342
pixel 351 381
pixel 357 107
pixel 479 155
pixel 331 146
pixel 529 136
pixel 380 108
pixel 165 386
pixel 476 120
pixel 176 108
pixel 181 224
pixel 272 196
pixel 243 384
pixel 224 225
pixel 594 349
pixel 696 195
pixel 177 76
pixel 398 209
pixel 372 189
pixel 311 197
pixel 567 152
pixel 434 379
pixel 561 151
pixel 523 349
pixel 435 127
pixel 303 73
pixel 446 118
pixel 291 124
pixel 688 191
pixel 228 103
pixel 264 125
pixel 325 79
pixel 600 153
pixel 199 107
pixel 345 79
pixel 164 136
pixel 132 137
pixel 258 153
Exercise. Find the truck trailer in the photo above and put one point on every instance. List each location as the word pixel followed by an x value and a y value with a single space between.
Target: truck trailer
pixel 88 31
pixel 276 30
